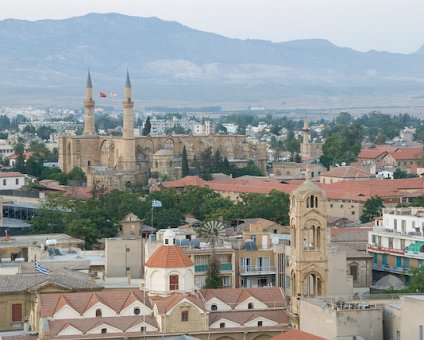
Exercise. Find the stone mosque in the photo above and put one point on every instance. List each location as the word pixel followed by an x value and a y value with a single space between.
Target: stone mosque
pixel 119 161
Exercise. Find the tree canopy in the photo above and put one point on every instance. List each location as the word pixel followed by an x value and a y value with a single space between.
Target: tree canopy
pixel 373 208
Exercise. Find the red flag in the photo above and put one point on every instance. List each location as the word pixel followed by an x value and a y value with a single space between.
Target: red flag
pixel 102 94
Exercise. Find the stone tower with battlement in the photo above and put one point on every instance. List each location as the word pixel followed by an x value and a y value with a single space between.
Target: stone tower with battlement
pixel 308 230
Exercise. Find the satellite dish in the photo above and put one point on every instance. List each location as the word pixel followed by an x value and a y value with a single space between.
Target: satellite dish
pixel 275 240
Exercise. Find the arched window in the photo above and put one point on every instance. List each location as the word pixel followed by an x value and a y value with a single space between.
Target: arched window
pixel 312 285
pixel 318 231
pixel 214 307
pixel 173 282
pixel 98 312
pixel 250 305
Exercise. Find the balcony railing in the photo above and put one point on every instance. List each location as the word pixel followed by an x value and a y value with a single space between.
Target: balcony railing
pixel 257 270
pixel 386 250
pixel 397 233
pixel 199 268
pixel 387 268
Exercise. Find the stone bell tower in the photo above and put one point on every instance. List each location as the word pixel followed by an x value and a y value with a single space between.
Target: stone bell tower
pixel 308 230
pixel 305 147
pixel 128 161
pixel 89 128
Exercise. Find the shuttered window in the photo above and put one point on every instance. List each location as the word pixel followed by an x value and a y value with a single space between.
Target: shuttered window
pixel 16 312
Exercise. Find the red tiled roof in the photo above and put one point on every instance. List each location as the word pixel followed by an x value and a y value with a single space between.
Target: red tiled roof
pixel 271 296
pixel 167 303
pixel 242 317
pixel 169 257
pixel 81 301
pixel 347 172
pixel 11 174
pixel 296 334
pixel 407 153
pixel 27 155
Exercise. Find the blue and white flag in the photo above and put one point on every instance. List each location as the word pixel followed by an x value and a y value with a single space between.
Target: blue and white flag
pixel 39 268
pixel 156 204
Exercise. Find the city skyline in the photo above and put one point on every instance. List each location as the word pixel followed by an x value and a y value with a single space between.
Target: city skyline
pixel 361 25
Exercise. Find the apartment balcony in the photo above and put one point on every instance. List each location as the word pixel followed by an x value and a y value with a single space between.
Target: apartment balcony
pixel 374 248
pixel 257 270
pixel 388 269
pixel 380 231
pixel 223 267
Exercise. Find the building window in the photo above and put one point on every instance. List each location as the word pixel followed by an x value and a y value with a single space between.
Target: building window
pixel 137 311
pixel 16 312
pixel 222 325
pixel 259 323
pixel 395 223
pixel 250 305
pixel 397 335
pixel 98 312
pixel 421 331
pixel 173 282
pixel 166 241
pixel 184 315
pixel 142 329
pixel 354 271
pixel 104 330
pixel 214 307
pixel 4 182
pixel 17 181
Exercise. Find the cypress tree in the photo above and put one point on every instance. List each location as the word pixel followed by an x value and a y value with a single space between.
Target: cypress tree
pixel 184 165
pixel 147 127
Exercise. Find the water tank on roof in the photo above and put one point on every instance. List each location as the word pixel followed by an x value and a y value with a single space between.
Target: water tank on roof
pixel 20 259
pixel 51 242
pixel 195 243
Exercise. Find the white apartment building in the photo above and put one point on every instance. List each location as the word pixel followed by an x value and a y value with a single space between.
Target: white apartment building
pixel 397 240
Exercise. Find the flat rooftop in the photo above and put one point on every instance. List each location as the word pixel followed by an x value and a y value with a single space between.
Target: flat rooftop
pixel 27 240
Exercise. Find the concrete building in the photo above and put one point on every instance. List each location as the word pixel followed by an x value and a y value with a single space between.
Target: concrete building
pixel 124 257
pixel 397 242
pixel 12 180
pixel 339 320
pixel 403 319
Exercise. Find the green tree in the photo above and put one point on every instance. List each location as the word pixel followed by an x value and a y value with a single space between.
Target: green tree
pixel 44 132
pixel 344 118
pixel 205 163
pixel 147 127
pixel 373 208
pixel 184 163
pixel 76 176
pixel 416 284
pixel 399 173
pixel 213 279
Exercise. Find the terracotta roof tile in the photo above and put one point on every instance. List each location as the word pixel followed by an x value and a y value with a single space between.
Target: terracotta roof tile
pixel 407 153
pixel 86 324
pixel 271 296
pixel 169 257
pixel 242 317
pixel 81 301
pixel 347 172
pixel 11 174
pixel 296 334
pixel 165 304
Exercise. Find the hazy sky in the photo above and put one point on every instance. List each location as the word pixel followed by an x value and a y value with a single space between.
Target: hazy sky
pixel 391 25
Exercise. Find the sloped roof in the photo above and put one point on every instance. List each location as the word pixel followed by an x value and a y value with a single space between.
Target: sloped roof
pixel 11 174
pixel 270 296
pixel 242 317
pixel 87 324
pixel 81 301
pixel 407 153
pixel 164 304
pixel 169 257
pixel 347 172
pixel 296 334
pixel 351 252
pixel 28 282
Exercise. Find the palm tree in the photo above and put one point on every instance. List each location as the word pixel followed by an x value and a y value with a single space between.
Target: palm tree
pixel 213 232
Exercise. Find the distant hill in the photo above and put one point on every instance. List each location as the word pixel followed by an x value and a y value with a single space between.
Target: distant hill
pixel 45 62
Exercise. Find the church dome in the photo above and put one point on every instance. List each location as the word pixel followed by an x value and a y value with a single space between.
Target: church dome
pixel 307 186
pixel 169 257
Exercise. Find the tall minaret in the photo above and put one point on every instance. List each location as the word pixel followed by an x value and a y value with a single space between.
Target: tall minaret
pixel 304 147
pixel 128 128
pixel 89 129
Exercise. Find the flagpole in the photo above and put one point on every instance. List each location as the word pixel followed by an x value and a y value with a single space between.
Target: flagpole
pixel 152 217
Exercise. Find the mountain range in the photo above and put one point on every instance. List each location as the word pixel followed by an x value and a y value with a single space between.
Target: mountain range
pixel 45 63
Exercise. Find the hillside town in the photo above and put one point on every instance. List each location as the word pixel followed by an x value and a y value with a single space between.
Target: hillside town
pixel 209 228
